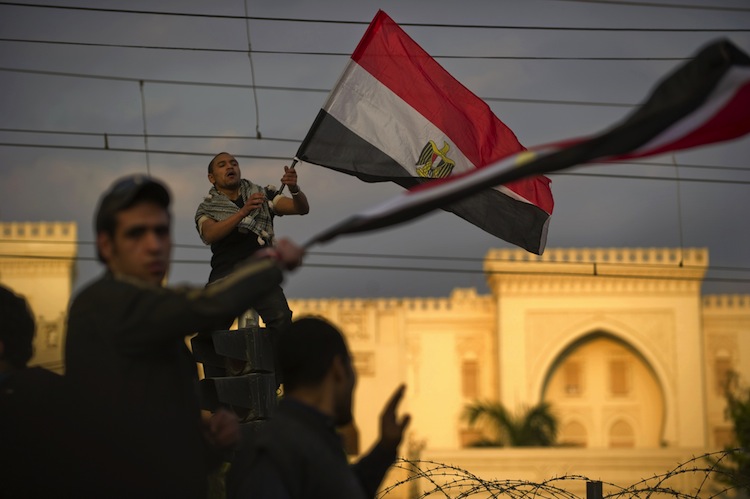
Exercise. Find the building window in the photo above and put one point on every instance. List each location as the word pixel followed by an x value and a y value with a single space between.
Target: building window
pixel 364 363
pixel 621 435
pixel 470 379
pixel 619 377
pixel 573 434
pixel 572 374
pixel 722 372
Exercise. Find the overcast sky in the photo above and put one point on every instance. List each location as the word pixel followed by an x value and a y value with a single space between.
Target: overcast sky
pixel 545 84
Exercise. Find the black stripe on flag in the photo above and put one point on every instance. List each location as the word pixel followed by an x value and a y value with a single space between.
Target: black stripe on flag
pixel 331 144
pixel 489 209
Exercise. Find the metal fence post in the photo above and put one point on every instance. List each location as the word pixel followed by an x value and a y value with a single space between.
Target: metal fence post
pixel 593 490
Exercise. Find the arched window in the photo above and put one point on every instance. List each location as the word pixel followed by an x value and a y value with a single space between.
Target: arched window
pixel 573 378
pixel 573 434
pixel 722 370
pixel 619 377
pixel 470 378
pixel 621 434
pixel 600 379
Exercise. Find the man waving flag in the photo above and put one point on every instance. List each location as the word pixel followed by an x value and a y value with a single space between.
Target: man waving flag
pixel 397 115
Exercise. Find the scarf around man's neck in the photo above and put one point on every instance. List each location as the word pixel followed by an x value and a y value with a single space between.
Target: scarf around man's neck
pixel 218 206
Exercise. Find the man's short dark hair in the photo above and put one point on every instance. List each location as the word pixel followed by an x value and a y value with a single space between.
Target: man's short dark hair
pixel 17 329
pixel 123 194
pixel 211 163
pixel 306 351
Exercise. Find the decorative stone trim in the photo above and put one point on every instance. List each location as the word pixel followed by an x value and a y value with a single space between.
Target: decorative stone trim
pixel 460 300
pixel 594 270
pixel 726 303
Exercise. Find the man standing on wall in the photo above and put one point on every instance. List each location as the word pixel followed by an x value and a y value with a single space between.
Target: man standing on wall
pixel 236 219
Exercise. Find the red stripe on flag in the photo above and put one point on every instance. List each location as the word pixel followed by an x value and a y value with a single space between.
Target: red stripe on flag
pixel 535 189
pixel 394 59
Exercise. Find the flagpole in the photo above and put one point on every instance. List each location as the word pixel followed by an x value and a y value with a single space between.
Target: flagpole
pixel 294 162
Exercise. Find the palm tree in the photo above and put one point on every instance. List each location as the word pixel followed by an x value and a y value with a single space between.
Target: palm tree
pixel 533 426
pixel 734 467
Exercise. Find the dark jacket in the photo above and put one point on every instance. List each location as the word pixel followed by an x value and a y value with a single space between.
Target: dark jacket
pixel 298 454
pixel 126 352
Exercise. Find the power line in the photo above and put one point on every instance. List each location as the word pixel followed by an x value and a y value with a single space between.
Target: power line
pixel 491 57
pixel 337 54
pixel 152 135
pixel 659 5
pixel 124 11
pixel 391 256
pixel 680 165
pixel 420 257
pixel 596 271
pixel 130 46
pixel 339 254
pixel 285 158
pixel 139 151
pixel 106 135
pixel 285 89
pixel 648 177
pixel 365 23
pixel 164 82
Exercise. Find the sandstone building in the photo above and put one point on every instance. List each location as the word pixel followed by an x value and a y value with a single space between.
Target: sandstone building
pixel 620 341
pixel 38 261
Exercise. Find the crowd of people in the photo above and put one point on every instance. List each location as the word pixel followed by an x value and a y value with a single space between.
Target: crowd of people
pixel 125 419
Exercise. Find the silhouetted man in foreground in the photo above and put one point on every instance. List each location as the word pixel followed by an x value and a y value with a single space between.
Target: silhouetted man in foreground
pixel 27 412
pixel 298 453
pixel 46 449
pixel 126 347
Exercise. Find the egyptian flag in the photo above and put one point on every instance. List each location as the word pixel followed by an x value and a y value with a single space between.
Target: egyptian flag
pixel 706 100
pixel 397 115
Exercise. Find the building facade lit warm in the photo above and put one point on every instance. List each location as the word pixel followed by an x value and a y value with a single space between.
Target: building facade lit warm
pixel 620 341
pixel 38 262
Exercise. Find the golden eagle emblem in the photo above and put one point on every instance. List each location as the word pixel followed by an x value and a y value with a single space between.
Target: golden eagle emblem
pixel 434 162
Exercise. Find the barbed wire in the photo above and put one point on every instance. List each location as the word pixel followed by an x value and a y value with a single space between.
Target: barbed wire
pixel 429 478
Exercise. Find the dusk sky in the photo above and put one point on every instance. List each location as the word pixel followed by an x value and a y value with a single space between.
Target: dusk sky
pixel 549 69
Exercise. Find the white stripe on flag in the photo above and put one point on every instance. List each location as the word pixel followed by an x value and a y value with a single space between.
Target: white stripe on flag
pixel 380 117
pixel 734 78
pixel 372 111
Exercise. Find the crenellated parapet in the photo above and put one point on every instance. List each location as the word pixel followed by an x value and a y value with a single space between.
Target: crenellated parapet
pixel 34 248
pixel 24 239
pixel 726 302
pixel 39 231
pixel 38 262
pixel 726 305
pixel 587 270
pixel 461 299
pixel 696 257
